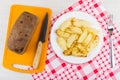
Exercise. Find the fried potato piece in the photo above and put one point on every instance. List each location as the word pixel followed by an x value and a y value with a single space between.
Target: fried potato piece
pixel 76 52
pixel 82 48
pixel 70 40
pixel 62 43
pixel 88 39
pixel 83 36
pixel 79 54
pixel 69 50
pixel 93 44
pixel 80 23
pixel 73 30
pixel 62 33
pixel 92 30
pixel 93 38
pixel 65 24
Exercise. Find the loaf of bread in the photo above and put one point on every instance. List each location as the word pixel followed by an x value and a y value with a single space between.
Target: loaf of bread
pixel 22 31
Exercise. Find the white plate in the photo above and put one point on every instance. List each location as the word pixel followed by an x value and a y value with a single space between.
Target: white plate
pixel 59 51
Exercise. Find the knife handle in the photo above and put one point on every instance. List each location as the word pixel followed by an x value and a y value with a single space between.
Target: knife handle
pixel 37 55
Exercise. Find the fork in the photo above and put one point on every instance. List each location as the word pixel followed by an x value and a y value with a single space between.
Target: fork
pixel 110 30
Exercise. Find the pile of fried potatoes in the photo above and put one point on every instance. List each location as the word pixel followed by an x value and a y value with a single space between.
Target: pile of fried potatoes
pixel 76 37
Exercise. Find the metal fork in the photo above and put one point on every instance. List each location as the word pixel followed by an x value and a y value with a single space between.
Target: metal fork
pixel 110 30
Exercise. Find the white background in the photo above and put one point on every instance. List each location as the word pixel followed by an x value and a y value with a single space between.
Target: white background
pixel 112 6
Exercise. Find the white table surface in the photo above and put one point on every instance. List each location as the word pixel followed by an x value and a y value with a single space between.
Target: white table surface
pixel 112 6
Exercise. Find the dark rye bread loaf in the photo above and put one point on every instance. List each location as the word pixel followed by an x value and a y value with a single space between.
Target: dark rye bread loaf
pixel 21 32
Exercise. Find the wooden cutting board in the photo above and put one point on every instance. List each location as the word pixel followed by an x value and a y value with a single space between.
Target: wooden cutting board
pixel 27 58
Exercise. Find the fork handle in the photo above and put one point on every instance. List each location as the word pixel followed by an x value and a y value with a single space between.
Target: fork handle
pixel 112 60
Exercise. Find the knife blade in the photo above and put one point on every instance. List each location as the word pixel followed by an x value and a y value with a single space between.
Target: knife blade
pixel 42 38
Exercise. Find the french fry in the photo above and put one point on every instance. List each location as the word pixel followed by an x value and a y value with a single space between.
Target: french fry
pixel 93 44
pixel 62 33
pixel 83 36
pixel 78 53
pixel 69 50
pixel 82 48
pixel 80 23
pixel 70 40
pixel 62 43
pixel 65 24
pixel 75 51
pixel 88 39
pixel 93 38
pixel 92 30
pixel 74 30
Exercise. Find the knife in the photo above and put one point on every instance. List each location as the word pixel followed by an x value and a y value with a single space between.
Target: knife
pixel 42 38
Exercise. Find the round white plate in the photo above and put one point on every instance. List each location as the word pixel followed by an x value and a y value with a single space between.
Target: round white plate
pixel 59 51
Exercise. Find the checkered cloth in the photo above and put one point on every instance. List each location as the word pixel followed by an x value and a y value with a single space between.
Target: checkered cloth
pixel 96 69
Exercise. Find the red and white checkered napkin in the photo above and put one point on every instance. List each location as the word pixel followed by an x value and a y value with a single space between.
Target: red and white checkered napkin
pixel 96 69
